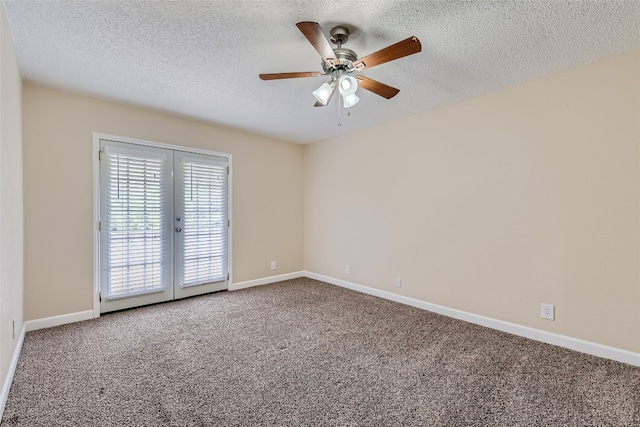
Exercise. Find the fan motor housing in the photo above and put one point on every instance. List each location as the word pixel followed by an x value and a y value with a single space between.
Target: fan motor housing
pixel 343 53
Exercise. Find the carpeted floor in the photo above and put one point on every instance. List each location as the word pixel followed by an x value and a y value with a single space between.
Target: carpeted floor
pixel 305 353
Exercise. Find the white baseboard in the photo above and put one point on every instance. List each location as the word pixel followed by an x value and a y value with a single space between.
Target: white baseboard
pixel 265 280
pixel 63 319
pixel 11 372
pixel 594 349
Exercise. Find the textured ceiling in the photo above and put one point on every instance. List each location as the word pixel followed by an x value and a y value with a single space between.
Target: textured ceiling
pixel 202 58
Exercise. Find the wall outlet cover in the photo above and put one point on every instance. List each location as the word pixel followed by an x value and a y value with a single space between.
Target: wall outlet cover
pixel 547 311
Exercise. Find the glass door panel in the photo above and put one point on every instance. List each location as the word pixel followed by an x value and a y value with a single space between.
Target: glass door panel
pixel 201 223
pixel 136 235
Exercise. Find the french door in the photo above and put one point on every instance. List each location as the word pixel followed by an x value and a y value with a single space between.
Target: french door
pixel 163 224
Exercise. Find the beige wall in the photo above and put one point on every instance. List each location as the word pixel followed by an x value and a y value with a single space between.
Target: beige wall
pixel 11 222
pixel 267 193
pixel 496 204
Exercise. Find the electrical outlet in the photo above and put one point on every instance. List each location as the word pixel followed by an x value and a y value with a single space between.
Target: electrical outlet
pixel 347 269
pixel 273 265
pixel 547 311
pixel 398 282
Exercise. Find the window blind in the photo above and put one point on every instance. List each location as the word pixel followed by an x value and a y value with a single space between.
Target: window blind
pixel 205 222
pixel 134 223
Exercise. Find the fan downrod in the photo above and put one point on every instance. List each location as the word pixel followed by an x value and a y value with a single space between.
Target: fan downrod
pixel 339 36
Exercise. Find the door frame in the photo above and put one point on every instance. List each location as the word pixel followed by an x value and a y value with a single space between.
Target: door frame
pixel 97 136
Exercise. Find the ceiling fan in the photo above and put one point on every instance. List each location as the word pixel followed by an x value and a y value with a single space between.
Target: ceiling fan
pixel 342 65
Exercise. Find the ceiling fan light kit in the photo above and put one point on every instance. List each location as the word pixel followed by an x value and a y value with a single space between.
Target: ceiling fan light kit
pixel 341 64
pixel 324 93
pixel 348 85
pixel 350 100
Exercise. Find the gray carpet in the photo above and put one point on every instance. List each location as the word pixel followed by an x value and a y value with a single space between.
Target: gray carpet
pixel 305 353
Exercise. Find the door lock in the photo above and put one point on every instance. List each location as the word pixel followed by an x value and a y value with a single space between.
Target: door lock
pixel 178 229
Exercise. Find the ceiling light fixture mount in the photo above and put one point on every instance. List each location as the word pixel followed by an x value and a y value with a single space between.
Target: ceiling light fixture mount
pixel 342 64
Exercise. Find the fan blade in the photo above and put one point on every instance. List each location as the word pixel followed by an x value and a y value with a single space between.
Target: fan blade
pixel 276 76
pixel 376 87
pixel 320 104
pixel 316 37
pixel 395 51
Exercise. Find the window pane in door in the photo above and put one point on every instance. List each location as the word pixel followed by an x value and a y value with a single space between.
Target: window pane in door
pixel 205 222
pixel 134 223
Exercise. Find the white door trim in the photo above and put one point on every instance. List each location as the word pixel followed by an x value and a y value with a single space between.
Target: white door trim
pixel 97 136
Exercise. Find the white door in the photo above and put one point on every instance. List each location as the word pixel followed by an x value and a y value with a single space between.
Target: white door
pixel 163 225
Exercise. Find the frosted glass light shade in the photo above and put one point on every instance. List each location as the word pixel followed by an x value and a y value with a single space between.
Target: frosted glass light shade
pixel 348 85
pixel 350 100
pixel 324 92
